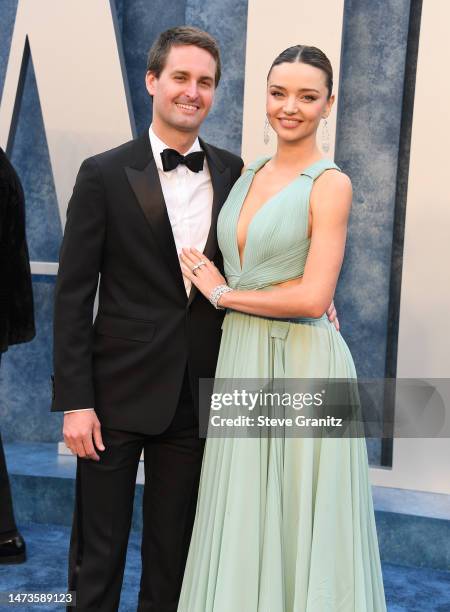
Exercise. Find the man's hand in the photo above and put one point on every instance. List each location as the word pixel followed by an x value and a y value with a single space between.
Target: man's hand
pixel 332 315
pixel 81 430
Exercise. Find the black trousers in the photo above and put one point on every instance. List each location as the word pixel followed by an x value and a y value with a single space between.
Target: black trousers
pixel 8 528
pixel 104 506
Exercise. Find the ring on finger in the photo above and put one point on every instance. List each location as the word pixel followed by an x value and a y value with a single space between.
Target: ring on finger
pixel 199 265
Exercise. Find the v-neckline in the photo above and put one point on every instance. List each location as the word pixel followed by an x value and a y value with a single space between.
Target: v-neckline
pixel 263 205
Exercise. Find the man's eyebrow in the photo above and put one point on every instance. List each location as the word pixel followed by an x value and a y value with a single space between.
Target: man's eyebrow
pixel 205 77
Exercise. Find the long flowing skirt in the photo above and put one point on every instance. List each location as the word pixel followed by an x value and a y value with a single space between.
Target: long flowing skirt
pixel 283 524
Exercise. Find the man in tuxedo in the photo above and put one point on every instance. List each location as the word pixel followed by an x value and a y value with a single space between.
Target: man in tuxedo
pixel 129 382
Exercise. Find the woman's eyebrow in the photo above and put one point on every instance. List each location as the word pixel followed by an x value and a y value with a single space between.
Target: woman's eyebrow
pixel 301 89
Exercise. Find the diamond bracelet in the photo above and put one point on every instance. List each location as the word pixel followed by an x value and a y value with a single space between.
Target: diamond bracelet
pixel 217 293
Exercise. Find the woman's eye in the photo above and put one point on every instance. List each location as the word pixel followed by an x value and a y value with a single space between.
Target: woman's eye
pixel 276 94
pixel 309 98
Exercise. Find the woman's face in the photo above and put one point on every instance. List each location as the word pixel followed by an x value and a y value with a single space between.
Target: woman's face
pixel 297 99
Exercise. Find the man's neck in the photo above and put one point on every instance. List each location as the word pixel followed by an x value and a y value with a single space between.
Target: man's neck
pixel 180 141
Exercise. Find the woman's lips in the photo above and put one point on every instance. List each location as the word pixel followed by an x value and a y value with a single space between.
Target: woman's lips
pixel 289 123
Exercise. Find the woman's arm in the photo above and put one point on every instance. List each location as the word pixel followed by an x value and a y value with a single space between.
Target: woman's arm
pixel 330 203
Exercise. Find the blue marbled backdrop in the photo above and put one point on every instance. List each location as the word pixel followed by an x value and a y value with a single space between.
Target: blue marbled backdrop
pixel 368 133
pixel 25 377
pixel 371 92
pixel 226 20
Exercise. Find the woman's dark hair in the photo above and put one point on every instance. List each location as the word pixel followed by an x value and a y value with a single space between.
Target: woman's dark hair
pixel 307 55
pixel 181 35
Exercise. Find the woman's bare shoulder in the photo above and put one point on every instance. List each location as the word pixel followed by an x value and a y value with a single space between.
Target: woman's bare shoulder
pixel 332 183
pixel 332 193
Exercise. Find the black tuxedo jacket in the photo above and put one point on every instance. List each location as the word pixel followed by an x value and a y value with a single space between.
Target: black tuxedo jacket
pixel 129 365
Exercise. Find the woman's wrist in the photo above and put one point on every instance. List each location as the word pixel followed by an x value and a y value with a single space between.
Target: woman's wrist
pixel 224 300
pixel 216 295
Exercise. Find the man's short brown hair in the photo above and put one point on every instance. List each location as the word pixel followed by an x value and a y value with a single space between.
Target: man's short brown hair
pixel 181 35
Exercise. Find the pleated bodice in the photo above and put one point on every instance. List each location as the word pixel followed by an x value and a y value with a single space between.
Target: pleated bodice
pixel 277 242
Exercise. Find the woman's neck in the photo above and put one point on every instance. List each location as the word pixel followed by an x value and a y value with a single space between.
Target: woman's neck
pixel 296 155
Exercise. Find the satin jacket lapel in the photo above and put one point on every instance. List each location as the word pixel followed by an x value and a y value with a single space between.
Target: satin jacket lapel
pixel 220 178
pixel 144 180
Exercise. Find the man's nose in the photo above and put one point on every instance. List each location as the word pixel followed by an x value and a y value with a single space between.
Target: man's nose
pixel 192 90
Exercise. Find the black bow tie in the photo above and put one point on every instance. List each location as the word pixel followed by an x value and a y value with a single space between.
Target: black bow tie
pixel 171 159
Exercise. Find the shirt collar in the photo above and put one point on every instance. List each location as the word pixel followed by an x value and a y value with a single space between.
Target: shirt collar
pixel 158 147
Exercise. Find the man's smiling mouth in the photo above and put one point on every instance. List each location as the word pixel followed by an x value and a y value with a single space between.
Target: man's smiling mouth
pixel 189 107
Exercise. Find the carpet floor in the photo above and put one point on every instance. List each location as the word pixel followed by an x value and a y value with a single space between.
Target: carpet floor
pixel 407 589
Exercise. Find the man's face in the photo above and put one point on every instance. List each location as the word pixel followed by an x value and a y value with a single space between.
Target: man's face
pixel 184 91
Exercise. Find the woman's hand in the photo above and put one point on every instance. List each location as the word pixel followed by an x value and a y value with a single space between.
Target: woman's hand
pixel 204 276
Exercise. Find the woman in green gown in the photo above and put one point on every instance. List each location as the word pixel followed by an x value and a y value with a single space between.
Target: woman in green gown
pixel 283 524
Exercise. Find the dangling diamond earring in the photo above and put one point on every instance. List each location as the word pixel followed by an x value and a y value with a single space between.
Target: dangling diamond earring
pixel 266 132
pixel 325 136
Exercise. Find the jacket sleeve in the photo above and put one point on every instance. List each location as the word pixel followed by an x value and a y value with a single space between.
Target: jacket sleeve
pixel 76 286
pixel 21 305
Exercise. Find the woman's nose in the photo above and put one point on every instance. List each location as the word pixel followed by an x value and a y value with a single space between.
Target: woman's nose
pixel 291 107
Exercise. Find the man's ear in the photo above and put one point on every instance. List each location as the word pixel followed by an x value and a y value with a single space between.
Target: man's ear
pixel 150 82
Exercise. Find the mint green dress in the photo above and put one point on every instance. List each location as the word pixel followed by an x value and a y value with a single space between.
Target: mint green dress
pixel 282 524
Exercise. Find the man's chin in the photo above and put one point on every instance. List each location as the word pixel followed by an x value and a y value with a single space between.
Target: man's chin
pixel 187 126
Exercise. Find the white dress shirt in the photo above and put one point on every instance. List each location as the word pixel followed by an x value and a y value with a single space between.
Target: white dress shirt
pixel 189 197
